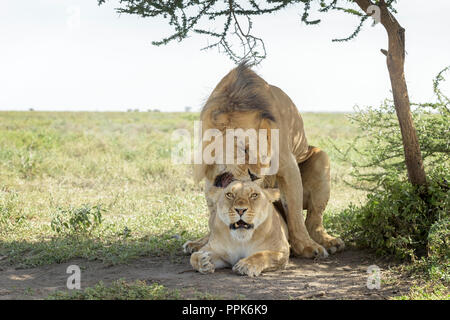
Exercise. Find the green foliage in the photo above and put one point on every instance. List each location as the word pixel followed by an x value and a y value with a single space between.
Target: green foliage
pixel 429 291
pixel 121 160
pixel 10 215
pixel 77 221
pixel 438 263
pixel 439 239
pixel 396 219
pixel 119 290
pixel 30 165
pixel 235 20
pixel 378 151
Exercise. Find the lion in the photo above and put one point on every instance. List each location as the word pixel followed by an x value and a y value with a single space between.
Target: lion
pixel 242 99
pixel 247 232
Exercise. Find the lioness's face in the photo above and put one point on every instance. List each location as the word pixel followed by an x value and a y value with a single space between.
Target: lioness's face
pixel 243 206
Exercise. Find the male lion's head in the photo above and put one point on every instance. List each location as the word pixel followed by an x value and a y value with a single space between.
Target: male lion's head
pixel 243 207
pixel 239 131
pixel 238 154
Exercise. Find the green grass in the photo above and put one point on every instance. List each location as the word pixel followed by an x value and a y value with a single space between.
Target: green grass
pixel 119 290
pixel 135 290
pixel 427 291
pixel 52 163
pixel 55 165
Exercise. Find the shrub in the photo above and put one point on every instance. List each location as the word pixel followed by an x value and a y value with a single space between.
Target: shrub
pixel 397 218
pixel 378 151
pixel 437 265
pixel 77 221
pixel 439 240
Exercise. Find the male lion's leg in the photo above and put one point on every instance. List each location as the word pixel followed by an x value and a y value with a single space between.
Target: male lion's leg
pixel 290 183
pixel 315 174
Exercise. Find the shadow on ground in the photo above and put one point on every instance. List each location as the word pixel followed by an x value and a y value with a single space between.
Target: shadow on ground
pixel 341 276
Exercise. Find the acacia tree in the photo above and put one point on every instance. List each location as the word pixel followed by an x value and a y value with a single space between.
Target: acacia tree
pixel 234 18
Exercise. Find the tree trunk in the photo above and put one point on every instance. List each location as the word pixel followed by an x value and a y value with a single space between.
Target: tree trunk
pixel 395 57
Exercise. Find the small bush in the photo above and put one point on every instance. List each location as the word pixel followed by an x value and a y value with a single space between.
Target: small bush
pixel 439 240
pixel 377 152
pixel 402 220
pixel 77 221
pixel 437 265
pixel 398 218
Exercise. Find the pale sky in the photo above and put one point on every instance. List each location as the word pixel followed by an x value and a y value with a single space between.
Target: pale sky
pixel 49 60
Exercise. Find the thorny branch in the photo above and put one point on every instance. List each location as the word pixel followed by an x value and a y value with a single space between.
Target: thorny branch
pixel 194 17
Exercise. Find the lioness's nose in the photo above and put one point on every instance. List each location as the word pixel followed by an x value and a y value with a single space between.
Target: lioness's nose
pixel 240 211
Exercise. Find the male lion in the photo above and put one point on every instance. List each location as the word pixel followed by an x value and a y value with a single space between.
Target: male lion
pixel 247 232
pixel 244 100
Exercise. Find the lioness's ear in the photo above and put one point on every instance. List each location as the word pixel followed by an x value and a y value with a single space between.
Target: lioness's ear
pixel 273 194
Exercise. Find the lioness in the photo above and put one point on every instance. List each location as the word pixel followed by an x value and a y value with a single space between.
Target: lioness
pixel 247 232
pixel 244 100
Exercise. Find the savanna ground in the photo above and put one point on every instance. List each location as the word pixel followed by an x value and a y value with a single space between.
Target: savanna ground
pixel 133 209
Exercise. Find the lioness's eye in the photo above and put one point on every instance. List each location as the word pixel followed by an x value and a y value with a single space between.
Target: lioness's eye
pixel 229 195
pixel 254 195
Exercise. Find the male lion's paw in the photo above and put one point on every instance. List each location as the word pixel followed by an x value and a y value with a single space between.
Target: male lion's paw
pixel 245 267
pixel 201 261
pixel 330 243
pixel 334 245
pixel 308 249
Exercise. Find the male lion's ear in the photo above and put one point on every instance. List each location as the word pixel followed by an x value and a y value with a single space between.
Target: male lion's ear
pixel 273 194
pixel 199 172
pixel 214 193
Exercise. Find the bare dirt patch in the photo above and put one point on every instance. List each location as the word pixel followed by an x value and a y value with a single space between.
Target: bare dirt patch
pixel 341 276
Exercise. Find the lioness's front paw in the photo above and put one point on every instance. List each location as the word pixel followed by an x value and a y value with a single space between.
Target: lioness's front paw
pixel 201 261
pixel 245 267
pixel 308 249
